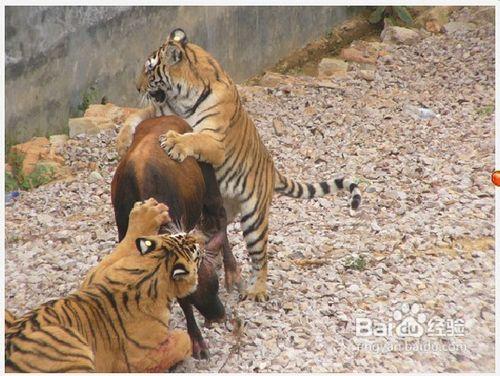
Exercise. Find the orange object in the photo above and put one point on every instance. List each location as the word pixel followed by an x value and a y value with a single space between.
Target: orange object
pixel 495 177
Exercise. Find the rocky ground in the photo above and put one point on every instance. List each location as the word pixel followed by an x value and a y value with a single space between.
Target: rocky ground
pixel 420 250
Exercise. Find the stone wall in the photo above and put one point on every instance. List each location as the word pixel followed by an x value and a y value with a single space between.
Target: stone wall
pixel 55 54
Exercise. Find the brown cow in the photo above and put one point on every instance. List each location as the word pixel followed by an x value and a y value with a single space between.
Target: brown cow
pixel 191 192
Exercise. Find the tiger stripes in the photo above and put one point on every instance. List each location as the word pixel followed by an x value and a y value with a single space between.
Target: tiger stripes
pixel 182 79
pixel 118 320
pixel 9 319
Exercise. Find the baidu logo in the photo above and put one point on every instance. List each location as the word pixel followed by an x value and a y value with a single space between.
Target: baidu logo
pixel 410 322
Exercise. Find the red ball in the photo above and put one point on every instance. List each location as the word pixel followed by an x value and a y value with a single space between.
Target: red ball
pixel 495 178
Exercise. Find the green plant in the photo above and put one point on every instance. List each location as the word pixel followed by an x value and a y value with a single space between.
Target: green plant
pixel 390 15
pixel 329 34
pixel 486 110
pixel 10 182
pixel 42 174
pixel 16 162
pixel 90 96
pixel 355 263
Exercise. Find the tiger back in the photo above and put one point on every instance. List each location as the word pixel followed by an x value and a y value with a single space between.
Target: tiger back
pixel 118 320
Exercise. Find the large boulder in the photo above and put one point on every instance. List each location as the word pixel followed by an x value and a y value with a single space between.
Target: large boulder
pixel 99 117
pixel 89 125
pixel 272 79
pixel 24 157
pixel 434 18
pixel 364 52
pixel 109 111
pixel 332 67
pixel 37 161
pixel 57 143
pixel 399 35
pixel 357 56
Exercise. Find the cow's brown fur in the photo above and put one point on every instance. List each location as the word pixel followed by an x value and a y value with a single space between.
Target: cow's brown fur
pixel 191 192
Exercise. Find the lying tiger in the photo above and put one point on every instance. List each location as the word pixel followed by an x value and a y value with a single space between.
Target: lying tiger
pixel 118 320
pixel 183 79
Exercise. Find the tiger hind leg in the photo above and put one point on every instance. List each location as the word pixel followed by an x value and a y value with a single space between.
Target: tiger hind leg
pixel 254 223
pixel 53 349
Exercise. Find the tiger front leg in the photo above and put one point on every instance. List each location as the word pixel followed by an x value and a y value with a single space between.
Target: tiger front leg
pixel 126 134
pixel 203 147
pixel 146 217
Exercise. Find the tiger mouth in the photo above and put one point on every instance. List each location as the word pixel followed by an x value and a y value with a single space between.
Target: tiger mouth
pixel 158 95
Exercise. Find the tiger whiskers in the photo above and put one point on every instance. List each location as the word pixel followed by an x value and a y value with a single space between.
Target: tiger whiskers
pixel 173 227
pixel 145 100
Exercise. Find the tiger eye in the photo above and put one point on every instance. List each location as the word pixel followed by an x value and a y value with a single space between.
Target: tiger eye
pixel 148 243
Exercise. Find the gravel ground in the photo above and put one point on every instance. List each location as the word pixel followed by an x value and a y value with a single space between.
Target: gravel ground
pixel 424 231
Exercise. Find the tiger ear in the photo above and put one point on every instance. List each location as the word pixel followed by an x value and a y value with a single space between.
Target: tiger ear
pixel 179 36
pixel 145 245
pixel 173 54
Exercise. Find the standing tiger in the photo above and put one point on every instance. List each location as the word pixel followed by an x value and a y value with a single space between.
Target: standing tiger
pixel 118 320
pixel 183 79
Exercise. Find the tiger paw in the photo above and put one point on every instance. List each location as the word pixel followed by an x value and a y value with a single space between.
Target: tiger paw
pixel 176 146
pixel 146 218
pixel 259 294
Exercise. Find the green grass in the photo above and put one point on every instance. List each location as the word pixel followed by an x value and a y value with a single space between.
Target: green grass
pixel 10 182
pixel 42 174
pixel 393 15
pixel 355 263
pixel 90 96
pixel 486 110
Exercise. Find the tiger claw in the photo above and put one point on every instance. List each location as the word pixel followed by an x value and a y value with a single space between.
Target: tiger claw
pixel 165 143
pixel 174 147
pixel 258 297
pixel 176 156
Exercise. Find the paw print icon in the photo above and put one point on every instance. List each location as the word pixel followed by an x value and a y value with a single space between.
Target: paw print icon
pixel 410 321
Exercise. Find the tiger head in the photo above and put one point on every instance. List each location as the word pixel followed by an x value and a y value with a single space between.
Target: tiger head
pixel 177 71
pixel 162 264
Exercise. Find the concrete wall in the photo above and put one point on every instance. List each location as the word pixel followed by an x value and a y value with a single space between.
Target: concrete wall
pixel 54 54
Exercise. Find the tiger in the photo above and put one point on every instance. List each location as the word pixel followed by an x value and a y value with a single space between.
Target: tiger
pixel 9 319
pixel 183 79
pixel 118 320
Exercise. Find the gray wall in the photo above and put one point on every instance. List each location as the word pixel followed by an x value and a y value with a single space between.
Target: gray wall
pixel 54 54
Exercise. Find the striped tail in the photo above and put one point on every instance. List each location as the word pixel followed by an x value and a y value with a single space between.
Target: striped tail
pixel 291 188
